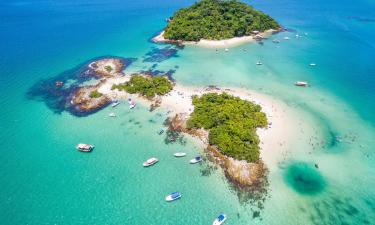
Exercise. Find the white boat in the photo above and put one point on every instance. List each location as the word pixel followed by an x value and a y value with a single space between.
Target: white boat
pixel 179 154
pixel 220 219
pixel 173 196
pixel 115 103
pixel 301 84
pixel 85 147
pixel 259 63
pixel 286 38
pixel 226 49
pixel 132 104
pixel 312 64
pixel 112 115
pixel 150 162
pixel 197 159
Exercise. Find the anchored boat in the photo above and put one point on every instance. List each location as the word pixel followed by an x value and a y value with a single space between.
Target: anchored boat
pixel 301 84
pixel 179 154
pixel 84 147
pixel 220 219
pixel 197 159
pixel 173 196
pixel 150 162
pixel 115 103
pixel 131 103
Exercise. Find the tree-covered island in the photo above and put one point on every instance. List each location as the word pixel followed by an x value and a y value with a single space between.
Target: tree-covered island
pixel 217 20
pixel 231 122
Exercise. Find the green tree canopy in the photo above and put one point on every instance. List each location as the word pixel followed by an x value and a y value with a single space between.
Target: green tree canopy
pixel 216 20
pixel 146 86
pixel 231 123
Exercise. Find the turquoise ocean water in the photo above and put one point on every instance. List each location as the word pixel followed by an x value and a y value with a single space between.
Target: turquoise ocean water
pixel 44 180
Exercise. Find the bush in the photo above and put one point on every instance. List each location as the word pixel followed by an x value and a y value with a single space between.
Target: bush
pixel 95 94
pixel 108 68
pixel 231 122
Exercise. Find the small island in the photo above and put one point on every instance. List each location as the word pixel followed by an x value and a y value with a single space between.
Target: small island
pixel 217 23
pixel 227 122
pixel 231 122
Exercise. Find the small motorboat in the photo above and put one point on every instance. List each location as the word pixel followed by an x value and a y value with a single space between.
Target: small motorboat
pixel 220 219
pixel 275 41
pixel 286 38
pixel 226 49
pixel 132 104
pixel 85 147
pixel 259 63
pixel 197 159
pixel 115 103
pixel 312 64
pixel 150 162
pixel 179 154
pixel 172 197
pixel 59 83
pixel 112 115
pixel 301 84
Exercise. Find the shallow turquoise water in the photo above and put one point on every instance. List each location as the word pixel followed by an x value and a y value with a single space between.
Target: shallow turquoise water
pixel 44 180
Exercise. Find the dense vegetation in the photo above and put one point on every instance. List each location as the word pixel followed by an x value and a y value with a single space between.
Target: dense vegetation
pixel 146 86
pixel 108 68
pixel 231 123
pixel 217 19
pixel 95 94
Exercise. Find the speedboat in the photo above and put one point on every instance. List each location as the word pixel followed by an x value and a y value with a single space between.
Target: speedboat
pixel 131 103
pixel 259 63
pixel 301 84
pixel 85 147
pixel 220 219
pixel 286 38
pixel 312 64
pixel 112 115
pixel 173 196
pixel 150 162
pixel 115 103
pixel 179 154
pixel 197 159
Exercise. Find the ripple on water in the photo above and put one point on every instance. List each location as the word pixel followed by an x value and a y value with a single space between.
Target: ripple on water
pixel 304 178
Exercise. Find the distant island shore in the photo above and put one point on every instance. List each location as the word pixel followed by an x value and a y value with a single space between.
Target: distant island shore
pixel 217 24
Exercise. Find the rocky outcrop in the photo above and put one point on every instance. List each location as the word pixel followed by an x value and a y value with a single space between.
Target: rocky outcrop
pixel 81 101
pixel 108 67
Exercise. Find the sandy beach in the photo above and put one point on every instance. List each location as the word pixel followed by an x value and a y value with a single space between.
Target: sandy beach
pixel 225 43
pixel 283 123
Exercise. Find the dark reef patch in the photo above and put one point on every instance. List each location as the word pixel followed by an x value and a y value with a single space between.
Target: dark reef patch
pixel 336 209
pixel 157 55
pixel 304 178
pixel 56 92
pixel 153 72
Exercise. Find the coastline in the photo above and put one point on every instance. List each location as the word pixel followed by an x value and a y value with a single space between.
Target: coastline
pixel 273 138
pixel 225 43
